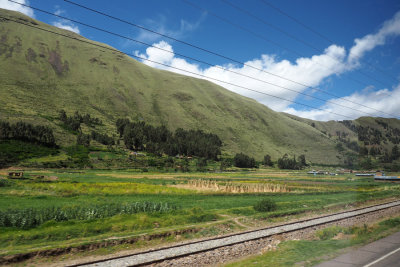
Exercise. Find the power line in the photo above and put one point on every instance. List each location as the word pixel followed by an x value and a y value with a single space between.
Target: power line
pixel 216 54
pixel 281 46
pixel 319 34
pixel 121 36
pixel 291 36
pixel 200 61
pixel 297 21
pixel 165 65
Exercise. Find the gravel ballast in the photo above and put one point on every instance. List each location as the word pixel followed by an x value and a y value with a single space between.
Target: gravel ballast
pixel 223 249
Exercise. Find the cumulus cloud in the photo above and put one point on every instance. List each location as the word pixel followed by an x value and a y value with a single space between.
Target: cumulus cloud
pixel 304 71
pixel 16 7
pixel 66 26
pixel 63 23
pixel 372 102
pixel 309 71
pixel 370 41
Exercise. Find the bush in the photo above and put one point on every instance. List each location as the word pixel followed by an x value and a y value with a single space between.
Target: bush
pixel 4 183
pixel 329 232
pixel 198 215
pixel 393 222
pixel 265 205
pixel 243 161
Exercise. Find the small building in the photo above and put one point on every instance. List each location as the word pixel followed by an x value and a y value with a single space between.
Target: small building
pixel 365 174
pixel 380 176
pixel 16 175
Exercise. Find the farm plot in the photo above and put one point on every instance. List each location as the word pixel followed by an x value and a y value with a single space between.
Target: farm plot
pixel 91 205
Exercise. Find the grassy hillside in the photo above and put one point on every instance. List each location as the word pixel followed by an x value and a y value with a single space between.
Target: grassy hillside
pixel 42 73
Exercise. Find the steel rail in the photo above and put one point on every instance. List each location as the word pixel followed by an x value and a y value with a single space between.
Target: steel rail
pixel 189 248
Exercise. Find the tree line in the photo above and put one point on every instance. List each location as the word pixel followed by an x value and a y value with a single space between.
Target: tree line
pixel 285 162
pixel 84 139
pixel 159 140
pixel 291 163
pixel 73 122
pixel 27 132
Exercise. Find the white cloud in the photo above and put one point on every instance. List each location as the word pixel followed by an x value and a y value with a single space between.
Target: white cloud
pixel 304 71
pixel 372 101
pixel 63 23
pixel 310 71
pixel 66 26
pixel 159 25
pixel 367 43
pixel 16 7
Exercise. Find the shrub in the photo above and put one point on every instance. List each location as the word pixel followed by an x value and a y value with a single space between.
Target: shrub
pixel 265 205
pixel 4 183
pixel 393 222
pixel 198 215
pixel 243 161
pixel 329 232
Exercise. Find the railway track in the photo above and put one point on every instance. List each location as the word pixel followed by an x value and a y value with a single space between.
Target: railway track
pixel 177 251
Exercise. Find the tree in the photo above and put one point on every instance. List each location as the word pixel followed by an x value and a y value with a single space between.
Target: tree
pixel 27 132
pixel 286 163
pixel 62 115
pixel 302 161
pixel 201 164
pixel 386 158
pixel 339 147
pixel 121 123
pixel 395 152
pixel 366 164
pixel 243 161
pixel 363 151
pixel 159 140
pixel 374 151
pixel 267 160
pixel 83 139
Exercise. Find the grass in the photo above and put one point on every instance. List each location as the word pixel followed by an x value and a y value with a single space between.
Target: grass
pixel 79 191
pixel 29 218
pixel 109 86
pixel 323 247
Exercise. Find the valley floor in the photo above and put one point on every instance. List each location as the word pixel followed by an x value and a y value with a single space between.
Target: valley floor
pixel 99 212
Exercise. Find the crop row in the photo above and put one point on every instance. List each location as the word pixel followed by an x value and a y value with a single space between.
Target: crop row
pixel 27 218
pixel 237 187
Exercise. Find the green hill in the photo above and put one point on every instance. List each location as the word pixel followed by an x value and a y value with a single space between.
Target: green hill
pixel 42 73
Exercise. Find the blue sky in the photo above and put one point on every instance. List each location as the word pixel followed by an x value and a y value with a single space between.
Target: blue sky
pixel 358 67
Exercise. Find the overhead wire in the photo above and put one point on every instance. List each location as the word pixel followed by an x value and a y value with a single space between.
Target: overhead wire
pixel 248 13
pixel 218 54
pixel 319 34
pixel 131 39
pixel 287 49
pixel 197 60
pixel 169 66
pixel 262 37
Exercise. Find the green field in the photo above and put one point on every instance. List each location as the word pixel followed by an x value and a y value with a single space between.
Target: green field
pixel 72 207
pixel 89 193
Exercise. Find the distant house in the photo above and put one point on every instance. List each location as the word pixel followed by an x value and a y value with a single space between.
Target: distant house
pixel 380 176
pixel 344 171
pixel 16 175
pixel 134 153
pixel 318 172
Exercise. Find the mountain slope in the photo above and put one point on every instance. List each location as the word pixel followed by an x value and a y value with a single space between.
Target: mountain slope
pixel 42 73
